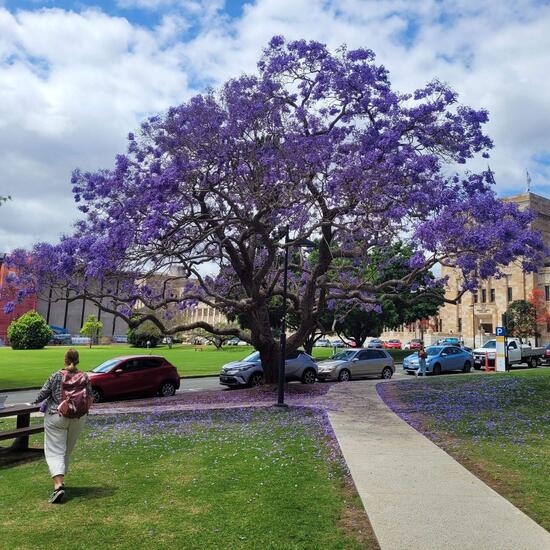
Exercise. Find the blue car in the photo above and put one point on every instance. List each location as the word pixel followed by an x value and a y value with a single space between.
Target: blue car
pixel 441 359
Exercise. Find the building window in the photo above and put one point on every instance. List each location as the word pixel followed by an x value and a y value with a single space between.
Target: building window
pixel 475 298
pixel 459 324
pixel 492 295
pixel 510 294
pixel 483 296
pixel 547 293
pixel 440 325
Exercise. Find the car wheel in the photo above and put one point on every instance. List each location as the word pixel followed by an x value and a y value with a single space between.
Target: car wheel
pixel 344 376
pixel 533 363
pixel 387 373
pixel 437 369
pixel 467 367
pixel 256 379
pixel 477 367
pixel 97 395
pixel 167 389
pixel 308 377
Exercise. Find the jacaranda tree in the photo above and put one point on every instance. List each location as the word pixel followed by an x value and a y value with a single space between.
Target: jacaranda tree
pixel 317 141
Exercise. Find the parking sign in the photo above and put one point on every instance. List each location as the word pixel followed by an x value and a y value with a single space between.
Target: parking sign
pixel 500 331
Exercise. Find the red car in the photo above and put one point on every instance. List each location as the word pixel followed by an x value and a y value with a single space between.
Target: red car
pixel 392 344
pixel 415 344
pixel 134 375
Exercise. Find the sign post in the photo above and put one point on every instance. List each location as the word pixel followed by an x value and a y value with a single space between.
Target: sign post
pixel 500 359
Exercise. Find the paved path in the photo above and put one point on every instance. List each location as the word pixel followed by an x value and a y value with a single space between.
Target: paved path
pixel 417 496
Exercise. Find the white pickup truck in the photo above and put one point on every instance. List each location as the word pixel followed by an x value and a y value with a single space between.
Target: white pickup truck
pixel 517 353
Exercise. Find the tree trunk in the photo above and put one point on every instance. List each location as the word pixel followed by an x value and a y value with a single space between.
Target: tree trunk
pixel 265 343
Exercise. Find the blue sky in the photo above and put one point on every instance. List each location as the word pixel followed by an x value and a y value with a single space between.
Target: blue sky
pixel 76 77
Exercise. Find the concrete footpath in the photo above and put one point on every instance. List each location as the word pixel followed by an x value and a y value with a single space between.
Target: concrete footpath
pixel 416 495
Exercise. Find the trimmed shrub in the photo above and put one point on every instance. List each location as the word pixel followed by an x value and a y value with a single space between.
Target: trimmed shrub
pixel 147 332
pixel 30 331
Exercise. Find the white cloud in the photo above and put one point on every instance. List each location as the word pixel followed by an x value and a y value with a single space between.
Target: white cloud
pixel 72 85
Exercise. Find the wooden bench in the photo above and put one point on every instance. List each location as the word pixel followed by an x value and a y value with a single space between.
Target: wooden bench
pixel 23 427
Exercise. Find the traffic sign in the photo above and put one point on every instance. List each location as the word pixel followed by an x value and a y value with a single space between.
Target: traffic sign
pixel 500 331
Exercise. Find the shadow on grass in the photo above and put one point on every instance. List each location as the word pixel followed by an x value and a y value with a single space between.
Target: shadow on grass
pixel 10 458
pixel 89 492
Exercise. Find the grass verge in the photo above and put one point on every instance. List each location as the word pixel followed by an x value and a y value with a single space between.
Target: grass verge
pixel 498 426
pixel 221 479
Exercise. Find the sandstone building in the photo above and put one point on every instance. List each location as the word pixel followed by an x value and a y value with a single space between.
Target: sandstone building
pixel 477 315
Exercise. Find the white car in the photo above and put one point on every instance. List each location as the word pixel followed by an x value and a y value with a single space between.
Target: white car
pixel 323 343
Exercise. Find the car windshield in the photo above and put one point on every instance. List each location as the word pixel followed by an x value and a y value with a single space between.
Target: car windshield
pixel 433 350
pixel 106 366
pixel 344 355
pixel 252 358
pixel 491 344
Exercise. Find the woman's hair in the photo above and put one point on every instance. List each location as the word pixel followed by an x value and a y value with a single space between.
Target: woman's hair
pixel 71 358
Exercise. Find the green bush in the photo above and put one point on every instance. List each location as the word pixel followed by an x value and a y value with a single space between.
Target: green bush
pixel 30 331
pixel 147 332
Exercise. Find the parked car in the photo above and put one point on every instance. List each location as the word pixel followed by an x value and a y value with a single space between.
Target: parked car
pixel 415 343
pixel 337 344
pixel 356 363
pixel 248 372
pixel 450 341
pixel 120 339
pixel 376 343
pixel 233 342
pixel 441 359
pixel 323 343
pixel 134 375
pixel 392 344
pixel 517 353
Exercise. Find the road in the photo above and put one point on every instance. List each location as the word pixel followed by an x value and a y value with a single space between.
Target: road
pixel 187 385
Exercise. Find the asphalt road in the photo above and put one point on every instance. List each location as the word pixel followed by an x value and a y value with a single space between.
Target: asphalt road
pixel 187 385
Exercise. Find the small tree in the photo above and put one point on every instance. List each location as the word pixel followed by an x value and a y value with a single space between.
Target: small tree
pixel 92 328
pixel 30 331
pixel 521 319
pixel 146 335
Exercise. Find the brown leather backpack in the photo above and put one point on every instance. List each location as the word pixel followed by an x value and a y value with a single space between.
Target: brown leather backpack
pixel 75 399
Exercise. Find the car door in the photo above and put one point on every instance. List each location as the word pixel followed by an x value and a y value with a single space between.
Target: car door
pixel 514 352
pixel 357 364
pixel 375 362
pixel 150 374
pixel 292 365
pixel 445 359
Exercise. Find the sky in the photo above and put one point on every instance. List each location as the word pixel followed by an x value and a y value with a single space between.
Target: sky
pixel 77 77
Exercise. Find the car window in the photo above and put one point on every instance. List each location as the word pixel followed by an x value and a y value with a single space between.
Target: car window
pixel 453 351
pixel 379 354
pixel 512 345
pixel 491 344
pixel 344 355
pixel 148 363
pixel 252 358
pixel 106 365
pixel 363 355
pixel 433 350
pixel 292 355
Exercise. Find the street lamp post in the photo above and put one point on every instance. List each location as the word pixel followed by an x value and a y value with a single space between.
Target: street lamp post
pixel 302 243
pixel 282 361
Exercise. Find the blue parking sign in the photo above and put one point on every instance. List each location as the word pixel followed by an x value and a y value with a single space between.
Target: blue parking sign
pixel 500 331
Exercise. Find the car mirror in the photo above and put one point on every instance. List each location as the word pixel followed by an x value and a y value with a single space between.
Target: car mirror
pixel 118 371
pixel 355 359
pixel 444 354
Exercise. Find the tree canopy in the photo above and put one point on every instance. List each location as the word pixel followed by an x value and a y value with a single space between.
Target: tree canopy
pixel 317 141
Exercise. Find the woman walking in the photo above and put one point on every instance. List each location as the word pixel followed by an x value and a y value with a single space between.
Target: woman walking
pixel 65 401
pixel 422 356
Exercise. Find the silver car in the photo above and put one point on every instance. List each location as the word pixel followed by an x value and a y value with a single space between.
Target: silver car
pixel 356 363
pixel 248 372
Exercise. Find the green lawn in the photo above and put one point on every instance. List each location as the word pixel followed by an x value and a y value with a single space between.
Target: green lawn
pixel 29 368
pixel 239 479
pixel 498 426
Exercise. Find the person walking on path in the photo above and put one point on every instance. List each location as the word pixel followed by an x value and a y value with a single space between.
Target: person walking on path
pixel 422 356
pixel 65 400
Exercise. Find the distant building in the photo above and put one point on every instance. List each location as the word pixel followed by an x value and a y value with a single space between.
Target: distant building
pixel 60 311
pixel 477 315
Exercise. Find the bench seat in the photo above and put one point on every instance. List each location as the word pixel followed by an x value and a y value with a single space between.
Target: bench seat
pixel 20 432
